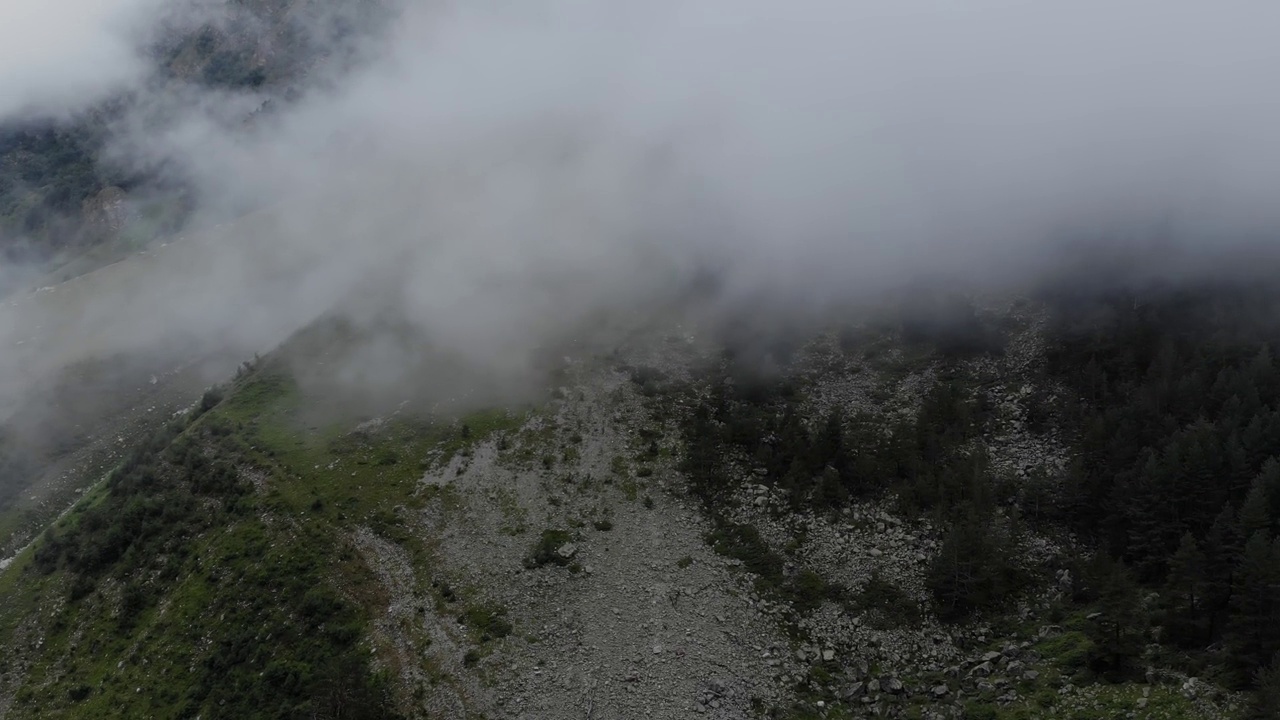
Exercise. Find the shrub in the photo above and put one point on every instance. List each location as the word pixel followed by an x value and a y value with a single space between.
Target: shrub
pixel 889 599
pixel 544 550
pixel 209 400
pixel 488 620
pixel 807 590
pixel 743 542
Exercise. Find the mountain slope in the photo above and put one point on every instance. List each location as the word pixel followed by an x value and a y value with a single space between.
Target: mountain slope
pixel 869 528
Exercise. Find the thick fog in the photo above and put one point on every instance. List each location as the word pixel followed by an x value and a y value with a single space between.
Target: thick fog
pixel 59 56
pixel 504 172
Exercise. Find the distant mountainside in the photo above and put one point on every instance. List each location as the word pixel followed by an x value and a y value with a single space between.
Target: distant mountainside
pixel 64 198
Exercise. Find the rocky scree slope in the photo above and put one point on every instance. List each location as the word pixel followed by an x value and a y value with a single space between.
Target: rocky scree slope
pixel 671 534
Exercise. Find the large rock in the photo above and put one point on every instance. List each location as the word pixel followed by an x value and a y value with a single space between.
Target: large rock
pixel 981 670
pixel 852 691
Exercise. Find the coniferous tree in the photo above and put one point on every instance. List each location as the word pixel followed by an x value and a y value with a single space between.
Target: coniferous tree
pixel 1255 513
pixel 1222 547
pixel 1265 703
pixel 1269 478
pixel 1185 594
pixel 973 569
pixel 1253 635
pixel 1238 471
pixel 1117 632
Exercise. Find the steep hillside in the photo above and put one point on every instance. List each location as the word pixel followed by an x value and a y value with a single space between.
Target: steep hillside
pixel 68 203
pixel 865 522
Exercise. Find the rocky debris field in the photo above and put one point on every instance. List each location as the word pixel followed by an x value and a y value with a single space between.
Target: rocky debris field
pixel 614 604
pixel 634 616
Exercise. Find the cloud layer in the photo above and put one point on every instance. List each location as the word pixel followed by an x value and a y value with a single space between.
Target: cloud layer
pixel 506 171
pixel 63 55
pixel 844 139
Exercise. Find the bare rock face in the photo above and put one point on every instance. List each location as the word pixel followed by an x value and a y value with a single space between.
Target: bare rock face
pixel 107 212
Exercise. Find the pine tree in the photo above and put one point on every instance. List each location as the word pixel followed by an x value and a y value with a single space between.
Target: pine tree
pixel 1265 703
pixel 1239 473
pixel 1184 594
pixel 1252 634
pixel 702 458
pixel 1258 446
pixel 1117 632
pixel 829 445
pixel 1203 459
pixel 1222 549
pixel 973 570
pixel 1150 515
pixel 832 490
pixel 1269 478
pixel 1255 514
pixel 1262 372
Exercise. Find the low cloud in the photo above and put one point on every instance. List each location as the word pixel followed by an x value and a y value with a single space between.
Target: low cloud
pixel 506 172
pixel 63 55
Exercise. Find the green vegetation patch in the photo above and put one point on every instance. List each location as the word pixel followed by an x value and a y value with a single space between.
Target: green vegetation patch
pixel 489 621
pixel 546 549
pixel 185 595
pixel 211 569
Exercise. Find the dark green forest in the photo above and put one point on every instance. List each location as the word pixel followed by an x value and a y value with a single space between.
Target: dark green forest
pixel 49 170
pixel 1173 414
pixel 1177 426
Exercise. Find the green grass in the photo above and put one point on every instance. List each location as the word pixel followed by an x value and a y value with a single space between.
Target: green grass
pixel 267 607
pixel 630 490
pixel 353 474
pixel 255 615
pixel 1096 701
pixel 1069 651
pixel 246 616
pixel 1064 658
